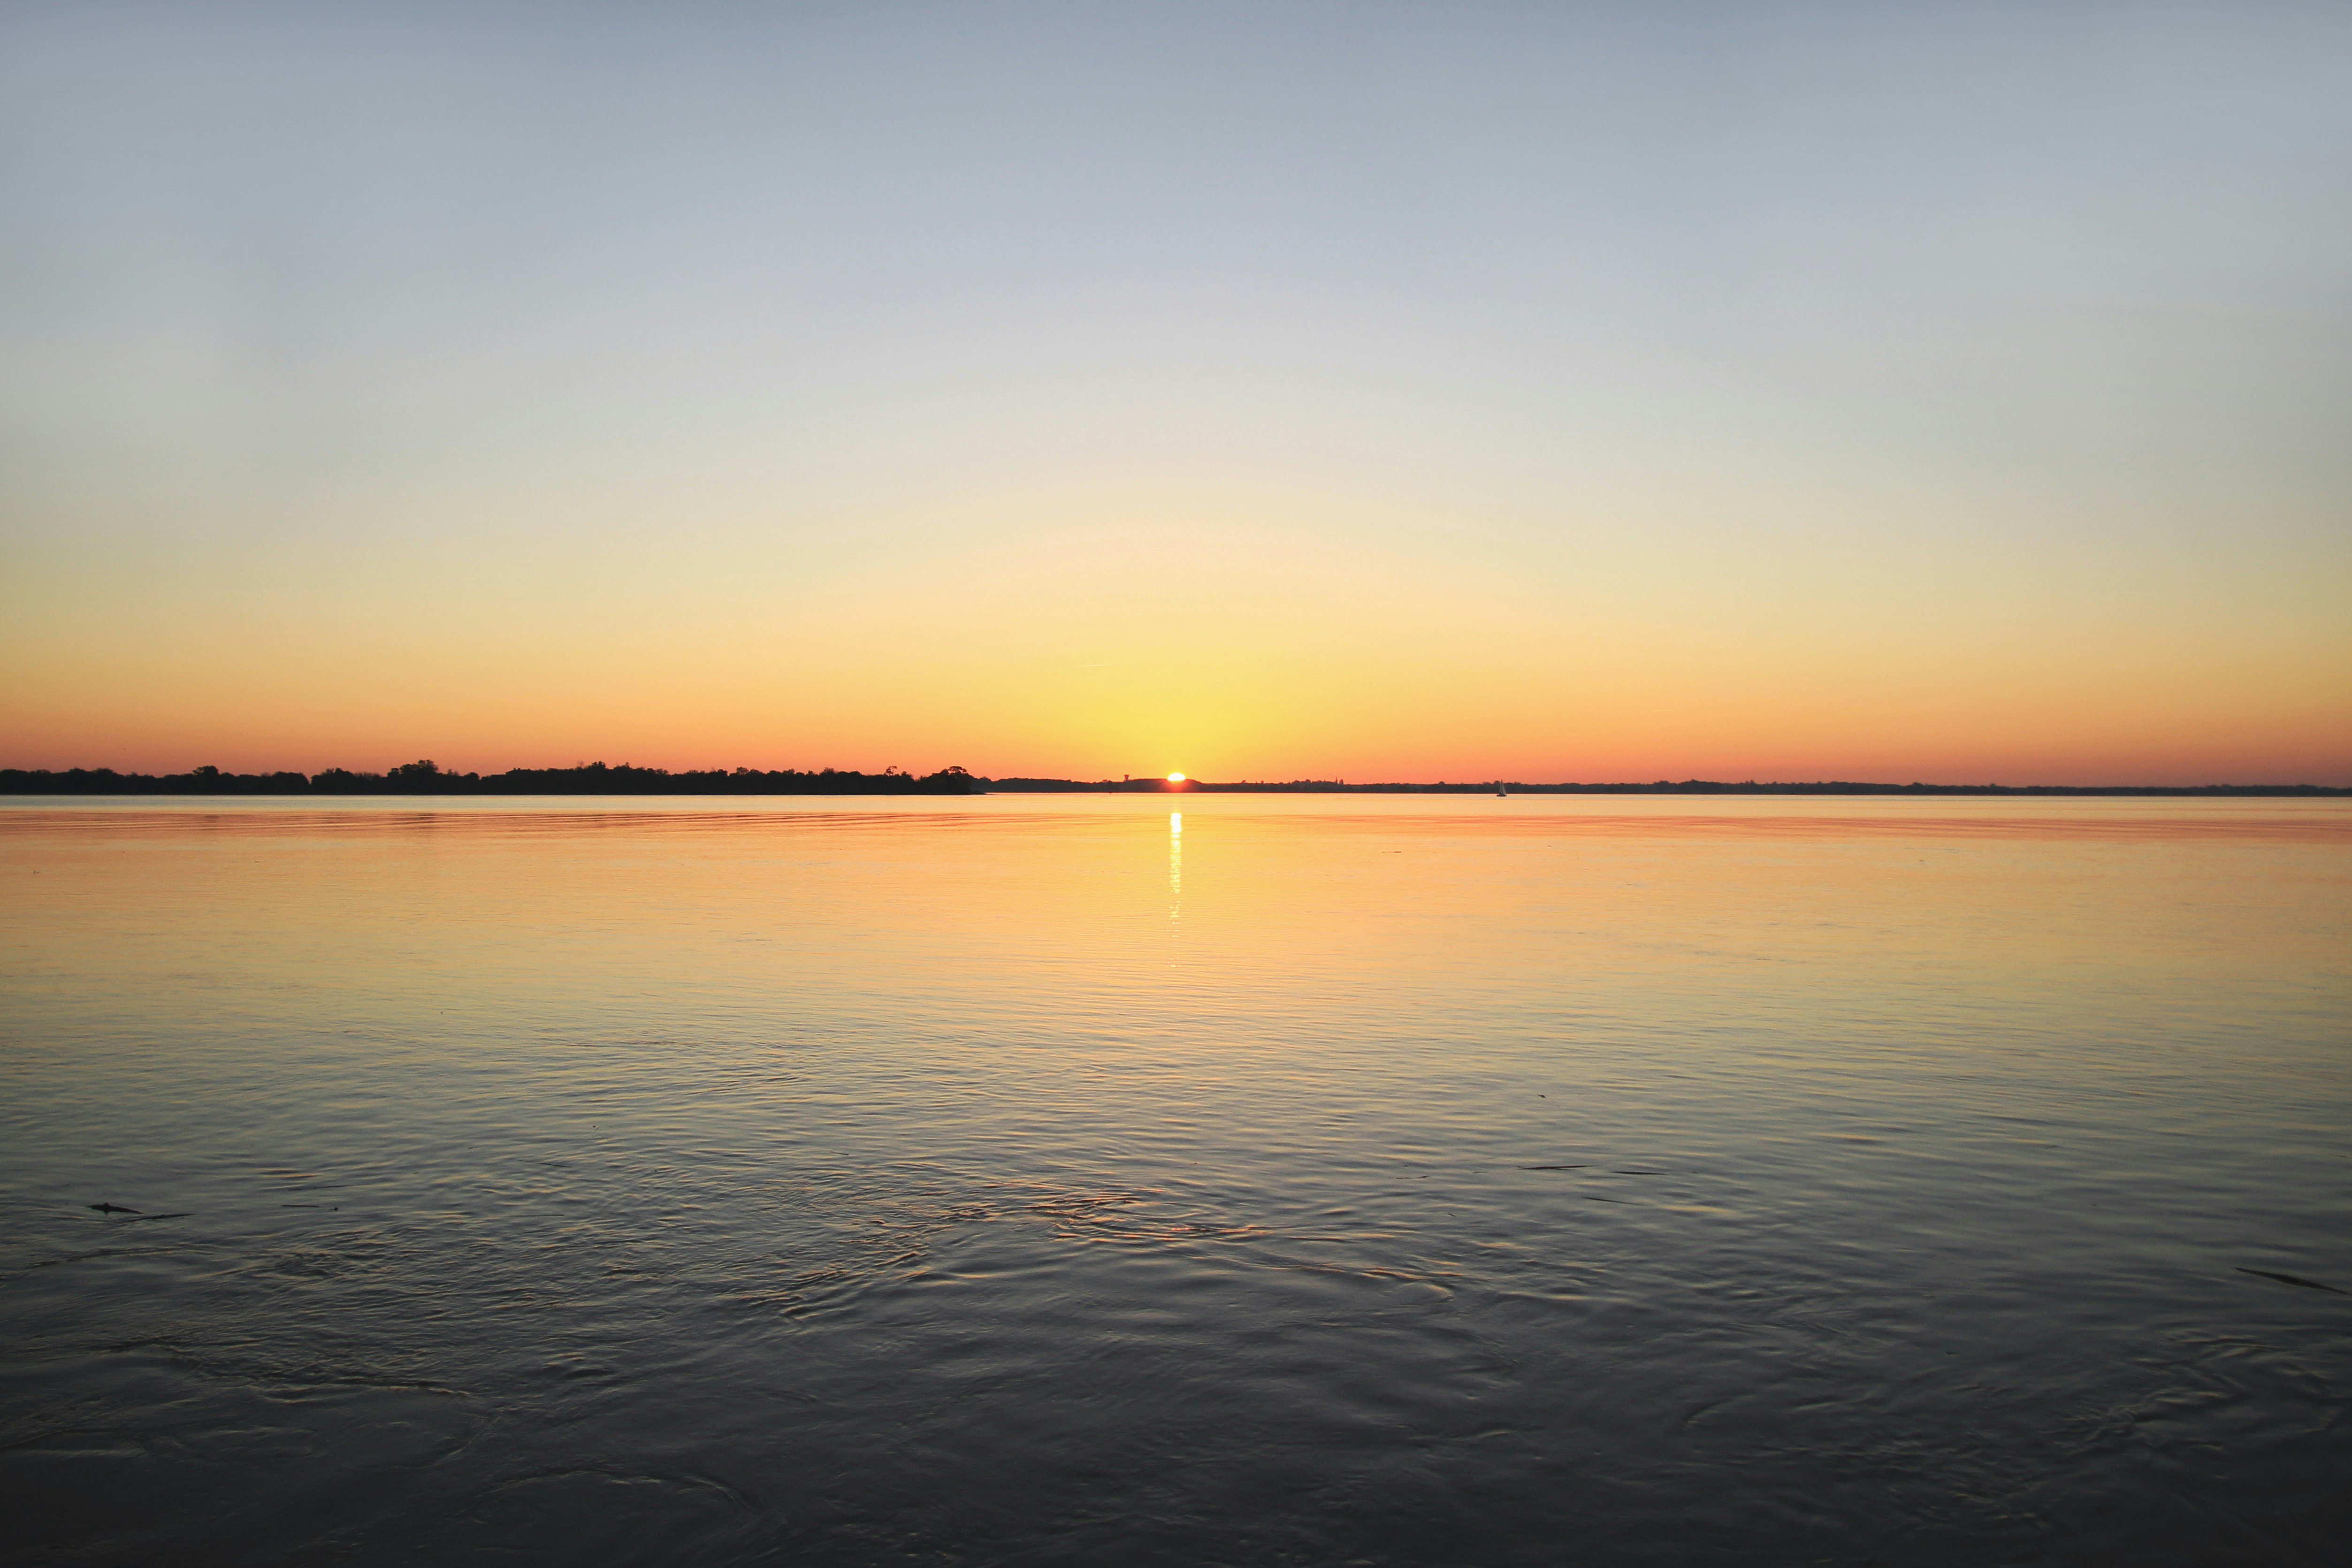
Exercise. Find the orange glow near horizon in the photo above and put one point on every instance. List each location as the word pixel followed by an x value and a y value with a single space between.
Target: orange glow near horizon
pixel 1326 659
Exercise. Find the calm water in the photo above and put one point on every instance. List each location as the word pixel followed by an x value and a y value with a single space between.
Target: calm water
pixel 1023 1181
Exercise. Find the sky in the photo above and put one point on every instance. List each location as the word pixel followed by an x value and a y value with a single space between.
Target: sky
pixel 1950 392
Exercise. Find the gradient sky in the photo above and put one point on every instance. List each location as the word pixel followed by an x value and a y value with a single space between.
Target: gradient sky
pixel 1952 392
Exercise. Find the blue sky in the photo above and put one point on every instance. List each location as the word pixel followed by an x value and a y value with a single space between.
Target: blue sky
pixel 1889 354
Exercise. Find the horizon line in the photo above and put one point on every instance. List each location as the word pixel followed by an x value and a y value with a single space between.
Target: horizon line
pixel 427 777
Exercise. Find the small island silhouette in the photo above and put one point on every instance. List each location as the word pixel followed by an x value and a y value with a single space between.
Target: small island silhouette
pixel 427 777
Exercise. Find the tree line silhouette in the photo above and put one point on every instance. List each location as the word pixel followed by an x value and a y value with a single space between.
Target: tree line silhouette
pixel 427 777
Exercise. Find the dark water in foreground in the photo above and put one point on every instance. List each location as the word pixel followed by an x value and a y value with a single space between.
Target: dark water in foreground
pixel 1023 1182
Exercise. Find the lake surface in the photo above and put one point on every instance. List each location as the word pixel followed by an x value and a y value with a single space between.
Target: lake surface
pixel 1052 1180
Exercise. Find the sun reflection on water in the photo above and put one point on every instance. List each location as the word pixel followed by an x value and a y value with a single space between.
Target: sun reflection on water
pixel 1175 866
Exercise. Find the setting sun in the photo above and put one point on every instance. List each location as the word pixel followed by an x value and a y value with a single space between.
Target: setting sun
pixel 1175 778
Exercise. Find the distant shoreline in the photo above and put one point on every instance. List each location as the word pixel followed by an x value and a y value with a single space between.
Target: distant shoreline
pixel 598 778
